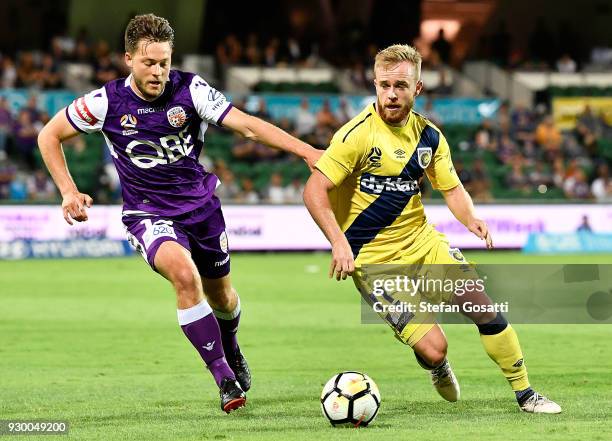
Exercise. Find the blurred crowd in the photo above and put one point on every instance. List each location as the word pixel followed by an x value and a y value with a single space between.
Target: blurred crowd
pixel 43 70
pixel 521 148
pixel 535 156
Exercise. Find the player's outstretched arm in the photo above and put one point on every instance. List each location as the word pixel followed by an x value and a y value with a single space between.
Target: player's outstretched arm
pixel 460 204
pixel 49 142
pixel 261 131
pixel 316 199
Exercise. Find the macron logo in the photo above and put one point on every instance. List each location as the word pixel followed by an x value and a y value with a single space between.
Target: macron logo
pixel 83 111
pixel 209 346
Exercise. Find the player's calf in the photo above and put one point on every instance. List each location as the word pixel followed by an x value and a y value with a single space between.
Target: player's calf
pixel 226 306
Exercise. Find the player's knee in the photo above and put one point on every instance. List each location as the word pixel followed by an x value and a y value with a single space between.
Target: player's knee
pixel 223 298
pixel 434 356
pixel 186 282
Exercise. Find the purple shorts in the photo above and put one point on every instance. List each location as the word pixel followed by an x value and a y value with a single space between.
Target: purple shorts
pixel 201 231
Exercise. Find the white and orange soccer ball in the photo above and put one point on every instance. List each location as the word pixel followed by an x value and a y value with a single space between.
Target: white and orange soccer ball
pixel 350 399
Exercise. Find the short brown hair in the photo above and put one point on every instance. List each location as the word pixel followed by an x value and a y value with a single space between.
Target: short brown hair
pixel 396 54
pixel 150 28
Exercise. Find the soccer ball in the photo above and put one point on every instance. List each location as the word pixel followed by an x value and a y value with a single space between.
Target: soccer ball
pixel 350 399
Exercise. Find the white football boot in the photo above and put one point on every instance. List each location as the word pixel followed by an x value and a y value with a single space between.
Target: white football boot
pixel 540 404
pixel 445 382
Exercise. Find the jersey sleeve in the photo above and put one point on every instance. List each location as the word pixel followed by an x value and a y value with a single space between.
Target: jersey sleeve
pixel 441 171
pixel 87 113
pixel 211 105
pixel 339 160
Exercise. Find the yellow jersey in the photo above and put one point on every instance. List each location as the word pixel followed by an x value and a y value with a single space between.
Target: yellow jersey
pixel 377 170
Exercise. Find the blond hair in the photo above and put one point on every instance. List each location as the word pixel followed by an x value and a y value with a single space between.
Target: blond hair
pixel 396 54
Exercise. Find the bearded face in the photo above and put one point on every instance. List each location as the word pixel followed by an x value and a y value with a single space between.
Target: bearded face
pixel 397 86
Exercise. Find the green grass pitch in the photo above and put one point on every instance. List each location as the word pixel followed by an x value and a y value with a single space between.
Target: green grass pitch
pixel 96 342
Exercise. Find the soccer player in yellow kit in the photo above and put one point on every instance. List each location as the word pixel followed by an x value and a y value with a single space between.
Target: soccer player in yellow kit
pixel 365 196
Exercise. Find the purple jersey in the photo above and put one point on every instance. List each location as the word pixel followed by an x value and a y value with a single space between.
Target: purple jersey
pixel 155 145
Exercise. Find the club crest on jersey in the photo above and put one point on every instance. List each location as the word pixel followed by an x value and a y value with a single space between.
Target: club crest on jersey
pixel 223 242
pixel 456 254
pixel 176 116
pixel 375 156
pixel 424 156
pixel 128 122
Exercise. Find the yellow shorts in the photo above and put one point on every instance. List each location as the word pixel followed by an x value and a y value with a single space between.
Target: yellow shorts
pixel 439 262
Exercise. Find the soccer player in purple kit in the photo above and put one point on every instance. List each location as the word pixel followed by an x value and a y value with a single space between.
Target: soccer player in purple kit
pixel 153 123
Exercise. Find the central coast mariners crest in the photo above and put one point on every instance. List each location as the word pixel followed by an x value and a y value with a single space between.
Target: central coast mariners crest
pixel 424 156
pixel 176 116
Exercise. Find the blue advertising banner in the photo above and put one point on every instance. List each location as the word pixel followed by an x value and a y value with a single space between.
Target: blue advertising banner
pixel 581 242
pixel 467 111
pixel 49 101
pixel 53 249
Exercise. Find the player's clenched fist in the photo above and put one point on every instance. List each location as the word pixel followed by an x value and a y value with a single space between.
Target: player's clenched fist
pixel 343 263
pixel 73 206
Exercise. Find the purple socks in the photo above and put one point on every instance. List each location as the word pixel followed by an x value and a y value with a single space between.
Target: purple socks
pixel 201 328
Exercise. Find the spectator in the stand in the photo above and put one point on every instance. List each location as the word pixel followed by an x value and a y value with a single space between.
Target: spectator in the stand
pixel 105 70
pixel 481 183
pixel 25 135
pixel 6 125
pixel 585 226
pixel 31 107
pixel 322 135
pixel 229 51
pixel 516 179
pixel 530 152
pixel 286 124
pixel 271 53
pixel 305 120
pixel 26 70
pixel 229 189
pixel 262 110
pixel 9 73
pixel 82 54
pixel 464 175
pixel 40 186
pixel 248 195
pixel 293 193
pixel 49 76
pixel 593 122
pixel 250 151
pixel 295 52
pixel 507 149
pixel 540 175
pixel 275 192
pixel 565 64
pixel 484 139
pixel 326 117
pixel 577 186
pixel 548 136
pixel 601 188
pixel 558 174
pixel 345 111
pixel 7 173
pixel 443 47
pixel 252 51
